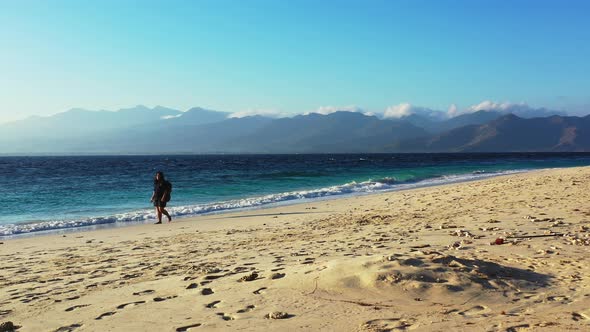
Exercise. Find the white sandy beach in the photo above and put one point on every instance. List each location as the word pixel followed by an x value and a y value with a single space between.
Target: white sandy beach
pixel 418 260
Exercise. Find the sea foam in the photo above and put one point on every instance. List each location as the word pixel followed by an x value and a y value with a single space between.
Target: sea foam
pixel 352 188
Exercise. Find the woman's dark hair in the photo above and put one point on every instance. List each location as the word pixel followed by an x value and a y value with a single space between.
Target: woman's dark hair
pixel 162 178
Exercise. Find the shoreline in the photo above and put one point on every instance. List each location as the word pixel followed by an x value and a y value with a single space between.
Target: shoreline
pixel 416 259
pixel 433 182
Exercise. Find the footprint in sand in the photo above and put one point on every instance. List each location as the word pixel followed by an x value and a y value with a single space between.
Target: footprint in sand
pixel 277 276
pixel 74 281
pixel 224 316
pixel 241 269
pixel 145 292
pixel 386 324
pixel 213 277
pixel 562 299
pixel 132 276
pixel 68 328
pixel 106 314
pixel 187 328
pixel 122 306
pixel 5 312
pixel 321 268
pixel 207 291
pixel 77 307
pixel 577 316
pixel 259 291
pixel 160 299
pixel 475 311
pixel 519 328
pixel 247 309
pixel 213 304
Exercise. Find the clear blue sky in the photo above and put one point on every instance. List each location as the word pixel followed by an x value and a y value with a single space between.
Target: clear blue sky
pixel 291 56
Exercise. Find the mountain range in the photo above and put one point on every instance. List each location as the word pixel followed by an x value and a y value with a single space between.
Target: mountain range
pixel 143 130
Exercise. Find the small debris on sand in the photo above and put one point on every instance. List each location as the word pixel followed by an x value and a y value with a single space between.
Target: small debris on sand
pixel 8 327
pixel 249 277
pixel 498 241
pixel 277 315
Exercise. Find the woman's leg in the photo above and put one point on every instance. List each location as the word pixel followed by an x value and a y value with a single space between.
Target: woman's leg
pixel 159 214
pixel 163 210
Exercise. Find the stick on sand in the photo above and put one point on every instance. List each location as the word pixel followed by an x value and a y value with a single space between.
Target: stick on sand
pixel 529 236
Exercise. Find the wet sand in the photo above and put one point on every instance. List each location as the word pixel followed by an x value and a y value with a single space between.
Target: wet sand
pixel 418 260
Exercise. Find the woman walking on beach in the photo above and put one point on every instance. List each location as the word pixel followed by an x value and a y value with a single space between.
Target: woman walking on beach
pixel 161 196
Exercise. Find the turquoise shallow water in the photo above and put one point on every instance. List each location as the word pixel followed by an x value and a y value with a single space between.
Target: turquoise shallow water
pixel 46 193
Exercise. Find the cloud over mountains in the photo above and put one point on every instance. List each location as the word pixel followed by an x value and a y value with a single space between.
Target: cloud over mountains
pixel 406 109
pixel 258 112
pixel 521 109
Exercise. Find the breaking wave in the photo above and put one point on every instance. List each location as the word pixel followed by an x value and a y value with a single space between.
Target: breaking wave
pixel 352 188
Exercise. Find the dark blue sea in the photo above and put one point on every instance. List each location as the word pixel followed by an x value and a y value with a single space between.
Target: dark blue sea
pixel 51 193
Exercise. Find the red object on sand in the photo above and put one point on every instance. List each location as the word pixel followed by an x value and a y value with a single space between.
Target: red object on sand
pixel 499 241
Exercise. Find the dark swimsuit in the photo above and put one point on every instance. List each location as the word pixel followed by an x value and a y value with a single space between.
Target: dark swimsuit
pixel 159 189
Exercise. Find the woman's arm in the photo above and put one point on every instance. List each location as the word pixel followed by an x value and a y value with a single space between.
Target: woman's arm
pixel 153 195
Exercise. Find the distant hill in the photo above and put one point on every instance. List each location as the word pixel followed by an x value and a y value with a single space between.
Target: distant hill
pixel 77 121
pixel 142 130
pixel 336 132
pixel 84 131
pixel 198 116
pixel 511 133
pixel 438 126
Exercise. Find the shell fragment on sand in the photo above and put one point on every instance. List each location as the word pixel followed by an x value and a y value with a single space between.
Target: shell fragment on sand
pixel 249 277
pixel 277 315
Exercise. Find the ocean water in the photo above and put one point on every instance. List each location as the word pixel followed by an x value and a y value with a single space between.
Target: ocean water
pixel 56 193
